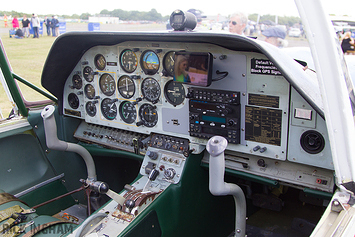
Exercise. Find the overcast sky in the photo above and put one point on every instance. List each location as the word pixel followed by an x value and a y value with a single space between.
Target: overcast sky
pixel 166 7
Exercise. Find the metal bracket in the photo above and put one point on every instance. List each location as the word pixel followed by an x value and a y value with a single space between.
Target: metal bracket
pixel 337 206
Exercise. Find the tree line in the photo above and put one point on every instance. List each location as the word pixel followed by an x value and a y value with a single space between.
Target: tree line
pixel 152 15
pixel 282 20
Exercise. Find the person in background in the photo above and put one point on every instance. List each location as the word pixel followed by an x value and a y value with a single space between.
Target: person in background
pixel 19 34
pixel 47 22
pixel 53 24
pixel 56 26
pixel 237 23
pixel 35 25
pixel 15 24
pixel 347 43
pixel 26 26
pixel 5 20
pixel 275 36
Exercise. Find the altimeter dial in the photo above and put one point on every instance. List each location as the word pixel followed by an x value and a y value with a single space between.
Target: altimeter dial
pixel 151 89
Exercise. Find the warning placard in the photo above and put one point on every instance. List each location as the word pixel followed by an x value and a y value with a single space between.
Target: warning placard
pixel 263 66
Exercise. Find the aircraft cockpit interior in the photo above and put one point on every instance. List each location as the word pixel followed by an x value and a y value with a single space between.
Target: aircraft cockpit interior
pixel 156 110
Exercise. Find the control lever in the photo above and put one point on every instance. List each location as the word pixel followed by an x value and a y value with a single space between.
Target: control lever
pixel 54 143
pixel 103 188
pixel 151 177
pixel 215 147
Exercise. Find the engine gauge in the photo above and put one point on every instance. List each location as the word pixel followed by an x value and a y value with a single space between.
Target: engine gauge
pixel 77 81
pixel 107 84
pixel 128 60
pixel 148 115
pixel 89 91
pixel 100 62
pixel 151 89
pixel 174 92
pixel 73 100
pixel 88 74
pixel 126 87
pixel 109 108
pixel 150 62
pixel 169 62
pixel 128 112
pixel 90 108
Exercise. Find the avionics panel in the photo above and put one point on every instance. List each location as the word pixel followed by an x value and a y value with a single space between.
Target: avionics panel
pixel 214 112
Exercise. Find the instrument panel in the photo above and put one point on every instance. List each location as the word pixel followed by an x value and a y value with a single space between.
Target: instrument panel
pixel 130 87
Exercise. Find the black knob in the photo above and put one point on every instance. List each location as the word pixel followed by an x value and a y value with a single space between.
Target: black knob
pixel 189 95
pixel 152 155
pixel 140 123
pixel 129 203
pixel 261 163
pixel 153 174
pixel 231 122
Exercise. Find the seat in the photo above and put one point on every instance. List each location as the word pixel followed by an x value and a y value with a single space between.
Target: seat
pixel 50 226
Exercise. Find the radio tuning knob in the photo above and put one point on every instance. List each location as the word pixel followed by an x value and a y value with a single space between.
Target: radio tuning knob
pixel 231 122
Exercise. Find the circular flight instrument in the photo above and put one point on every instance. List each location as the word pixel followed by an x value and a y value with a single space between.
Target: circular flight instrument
pixel 174 92
pixel 150 62
pixel 107 84
pixel 128 112
pixel 128 60
pixel 148 115
pixel 73 100
pixel 77 81
pixel 168 63
pixel 90 108
pixel 151 89
pixel 89 91
pixel 88 74
pixel 126 87
pixel 109 108
pixel 100 61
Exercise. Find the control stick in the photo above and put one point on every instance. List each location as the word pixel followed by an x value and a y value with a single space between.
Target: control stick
pixel 215 147
pixel 54 143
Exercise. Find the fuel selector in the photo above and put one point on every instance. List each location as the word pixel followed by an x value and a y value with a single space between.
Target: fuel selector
pixel 169 173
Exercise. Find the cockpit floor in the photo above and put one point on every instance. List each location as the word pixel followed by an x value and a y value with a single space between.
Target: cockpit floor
pixel 296 219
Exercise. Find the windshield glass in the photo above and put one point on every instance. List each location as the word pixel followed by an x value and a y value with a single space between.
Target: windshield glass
pixel 276 22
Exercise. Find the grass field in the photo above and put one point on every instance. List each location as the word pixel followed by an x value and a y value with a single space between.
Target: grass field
pixel 27 57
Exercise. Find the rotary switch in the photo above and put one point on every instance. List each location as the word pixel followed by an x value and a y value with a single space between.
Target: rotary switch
pixel 169 173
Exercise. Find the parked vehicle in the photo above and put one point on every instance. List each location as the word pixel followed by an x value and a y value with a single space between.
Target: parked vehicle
pixel 294 32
